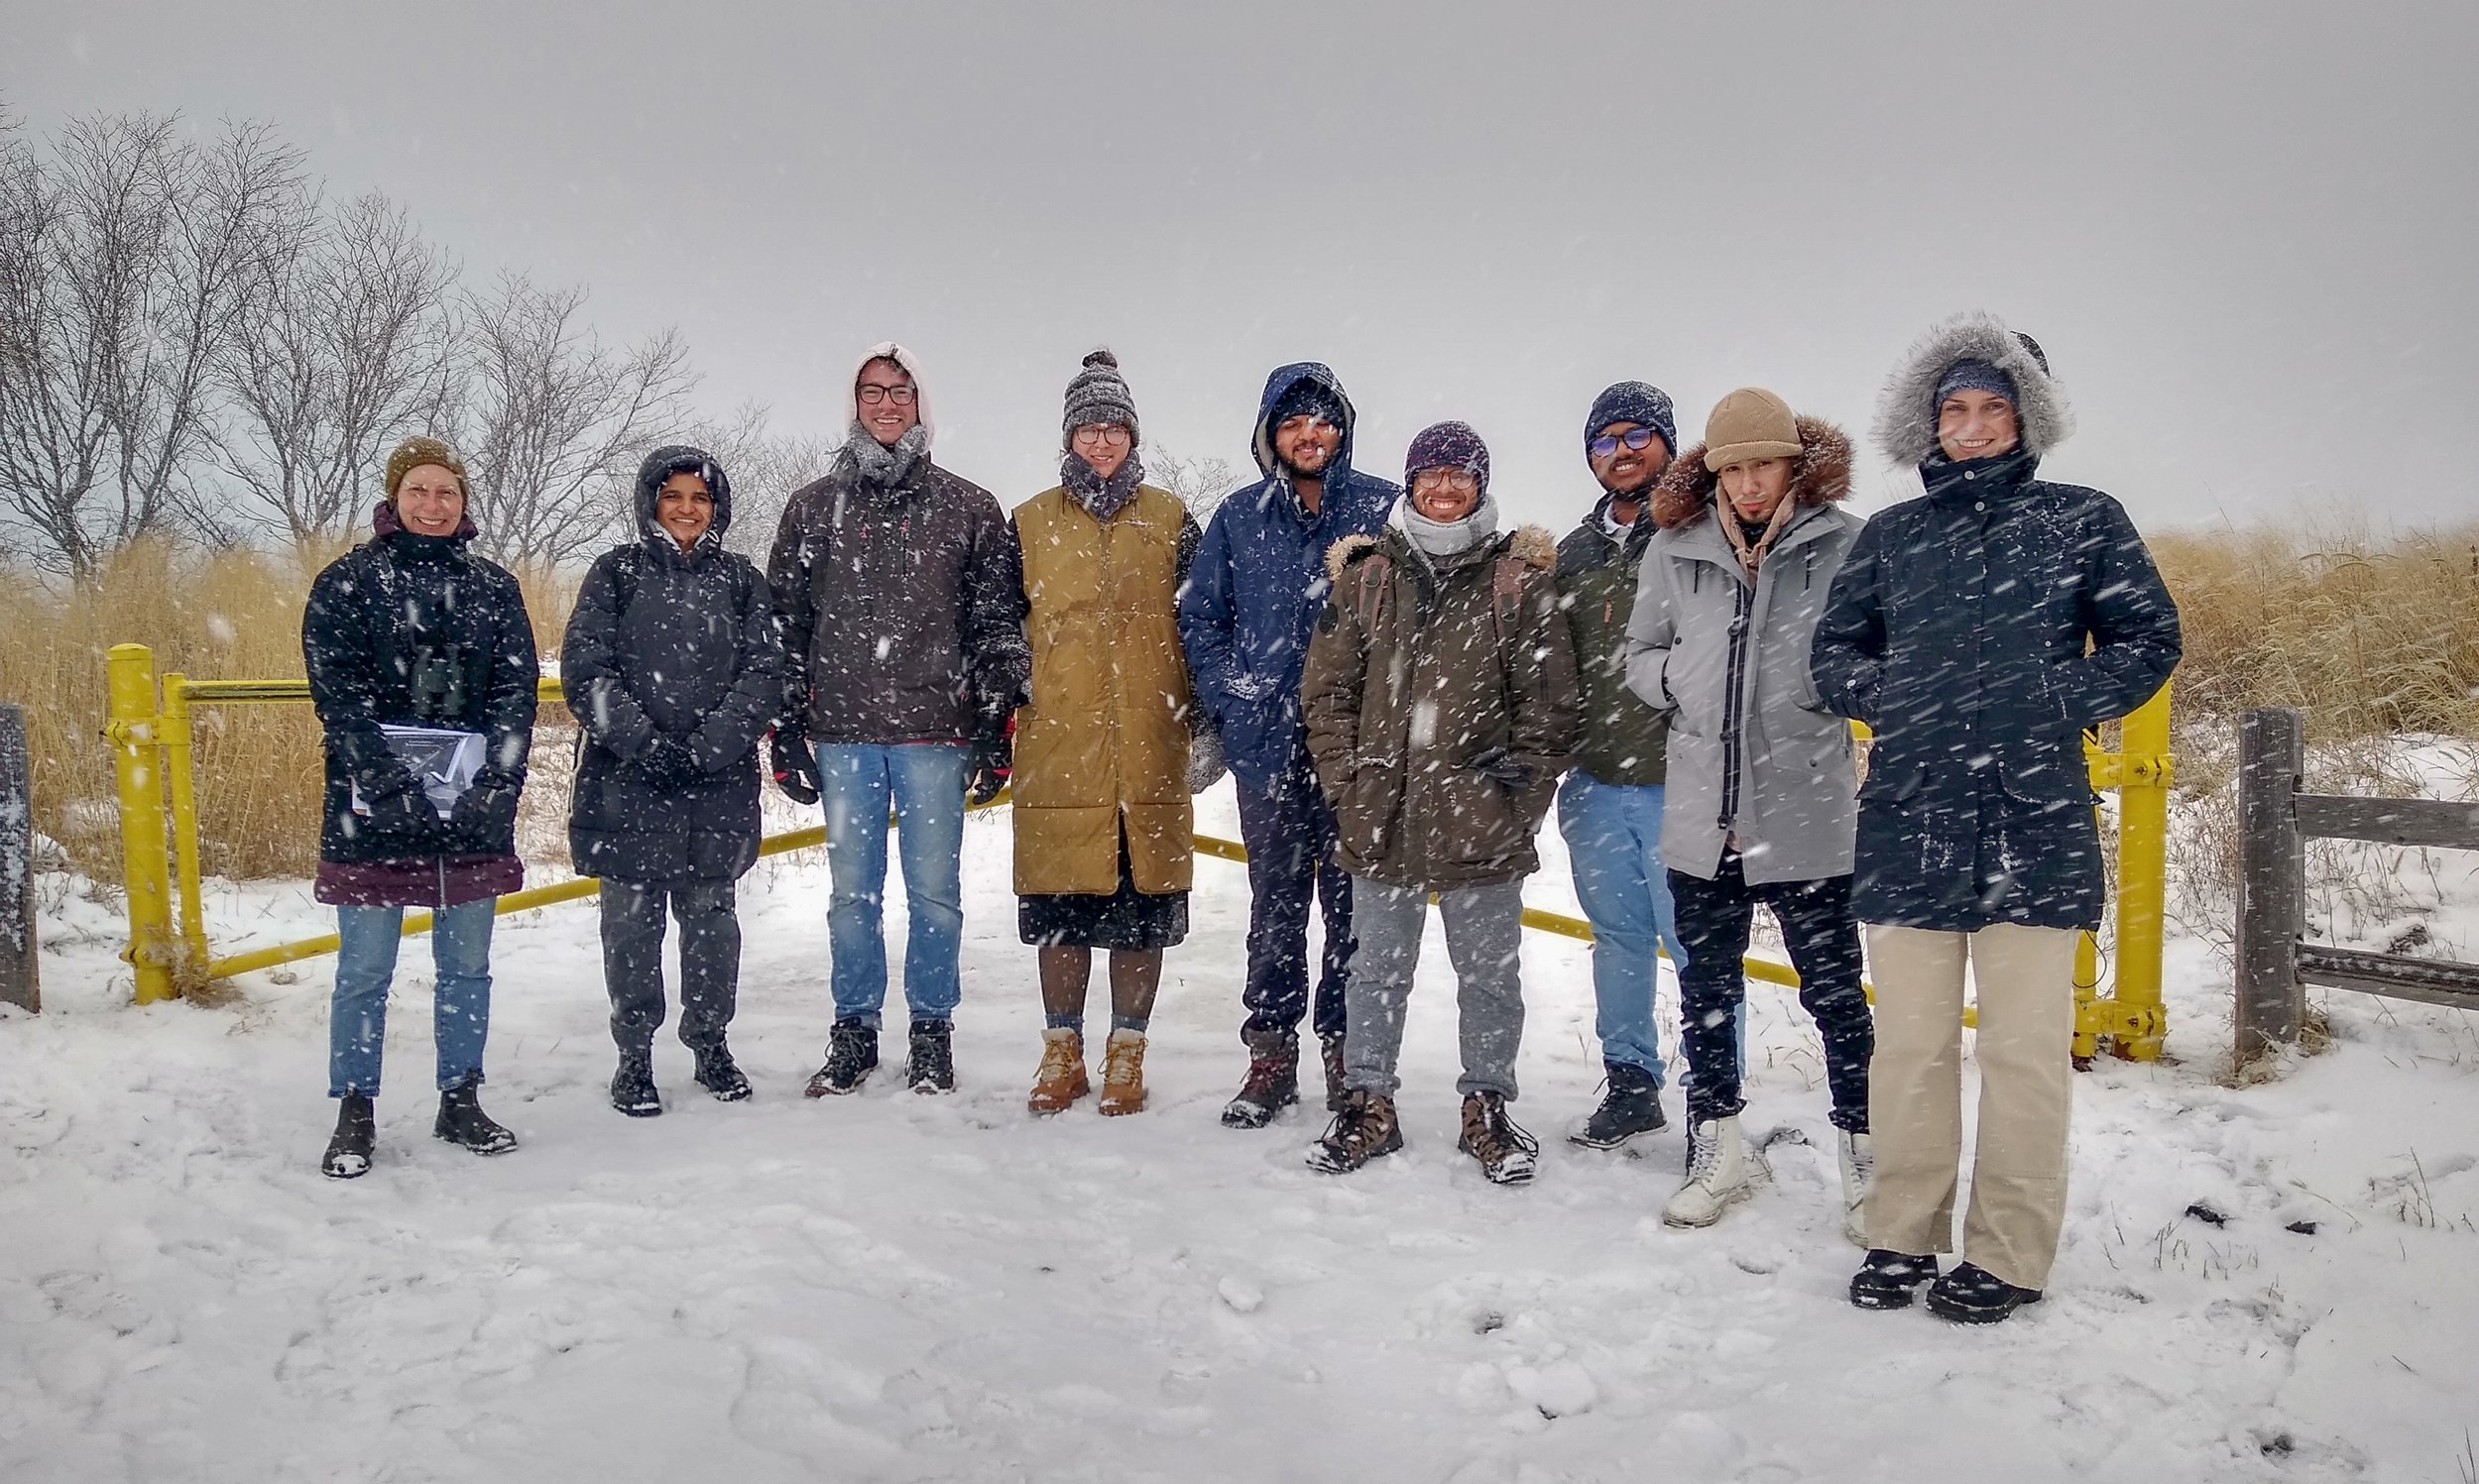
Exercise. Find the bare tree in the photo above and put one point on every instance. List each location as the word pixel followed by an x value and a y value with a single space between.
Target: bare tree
pixel 124 265
pixel 554 418
pixel 1200 483
pixel 342 350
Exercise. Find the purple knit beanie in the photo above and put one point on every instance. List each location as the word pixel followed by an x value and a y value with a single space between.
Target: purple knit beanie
pixel 1448 445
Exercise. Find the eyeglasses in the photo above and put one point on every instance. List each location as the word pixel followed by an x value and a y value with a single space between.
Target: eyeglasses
pixel 872 395
pixel 1108 434
pixel 1460 481
pixel 1637 438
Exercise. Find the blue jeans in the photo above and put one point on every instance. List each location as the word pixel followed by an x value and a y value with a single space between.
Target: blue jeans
pixel 924 784
pixel 1614 845
pixel 357 1018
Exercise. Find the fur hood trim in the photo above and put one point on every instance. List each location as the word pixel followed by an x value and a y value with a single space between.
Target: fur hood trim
pixel 1534 545
pixel 1906 417
pixel 1340 554
pixel 1820 475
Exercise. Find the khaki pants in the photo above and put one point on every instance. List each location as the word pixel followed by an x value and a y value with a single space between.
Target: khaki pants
pixel 2026 987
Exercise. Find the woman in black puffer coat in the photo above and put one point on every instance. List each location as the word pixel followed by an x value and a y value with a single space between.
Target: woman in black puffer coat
pixel 673 671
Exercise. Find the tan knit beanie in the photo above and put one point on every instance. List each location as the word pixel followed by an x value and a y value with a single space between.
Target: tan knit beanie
pixel 412 453
pixel 1748 424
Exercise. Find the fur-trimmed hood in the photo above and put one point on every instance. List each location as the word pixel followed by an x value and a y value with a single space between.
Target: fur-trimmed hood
pixel 1531 544
pixel 1820 475
pixel 1906 412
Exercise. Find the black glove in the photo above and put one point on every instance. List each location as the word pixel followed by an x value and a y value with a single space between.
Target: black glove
pixel 794 767
pixel 407 814
pixel 667 764
pixel 990 758
pixel 1499 766
pixel 485 819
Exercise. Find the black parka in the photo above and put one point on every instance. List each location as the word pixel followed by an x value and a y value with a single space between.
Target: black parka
pixel 665 643
pixel 1959 629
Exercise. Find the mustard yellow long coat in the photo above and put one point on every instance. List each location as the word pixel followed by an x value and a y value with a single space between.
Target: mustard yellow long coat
pixel 1104 737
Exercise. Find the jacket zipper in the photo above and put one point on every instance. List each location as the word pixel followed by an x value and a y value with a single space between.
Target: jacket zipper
pixel 1733 712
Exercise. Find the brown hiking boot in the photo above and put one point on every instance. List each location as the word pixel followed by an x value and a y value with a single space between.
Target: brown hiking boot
pixel 1124 1073
pixel 1330 1051
pixel 1272 1085
pixel 1061 1078
pixel 1507 1154
pixel 1363 1130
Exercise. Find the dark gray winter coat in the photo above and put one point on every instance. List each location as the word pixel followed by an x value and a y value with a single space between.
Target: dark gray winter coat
pixel 1979 629
pixel 680 645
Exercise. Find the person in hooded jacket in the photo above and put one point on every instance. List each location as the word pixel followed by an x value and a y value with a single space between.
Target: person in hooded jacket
pixel 1762 776
pixel 1610 806
pixel 1440 700
pixel 673 673
pixel 1257 586
pixel 1979 629
pixel 898 597
pixel 1103 827
pixel 411 630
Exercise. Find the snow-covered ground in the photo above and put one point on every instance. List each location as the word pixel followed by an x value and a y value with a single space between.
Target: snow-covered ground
pixel 895 1288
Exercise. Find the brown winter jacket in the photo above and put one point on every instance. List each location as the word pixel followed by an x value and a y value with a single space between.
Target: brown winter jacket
pixel 1418 665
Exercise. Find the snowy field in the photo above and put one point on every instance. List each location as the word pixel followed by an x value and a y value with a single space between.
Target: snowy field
pixel 895 1288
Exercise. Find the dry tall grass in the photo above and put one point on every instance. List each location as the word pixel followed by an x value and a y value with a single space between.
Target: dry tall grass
pixel 231 614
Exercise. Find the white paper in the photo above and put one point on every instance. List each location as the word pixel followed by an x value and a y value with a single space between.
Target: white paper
pixel 442 759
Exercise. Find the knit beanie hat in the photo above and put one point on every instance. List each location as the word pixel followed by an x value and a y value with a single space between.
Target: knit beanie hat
pixel 1639 402
pixel 1448 445
pixel 1307 396
pixel 1748 424
pixel 1974 375
pixel 1098 394
pixel 412 453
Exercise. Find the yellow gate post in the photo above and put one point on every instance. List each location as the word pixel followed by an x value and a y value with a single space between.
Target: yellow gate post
pixel 2143 793
pixel 137 760
pixel 189 964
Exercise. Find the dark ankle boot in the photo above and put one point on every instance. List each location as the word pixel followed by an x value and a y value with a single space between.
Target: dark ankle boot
pixel 1632 1106
pixel 633 1086
pixel 1272 1083
pixel 463 1124
pixel 931 1068
pixel 720 1075
pixel 357 1127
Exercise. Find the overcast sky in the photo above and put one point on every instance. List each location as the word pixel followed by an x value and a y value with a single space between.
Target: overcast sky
pixel 2243 232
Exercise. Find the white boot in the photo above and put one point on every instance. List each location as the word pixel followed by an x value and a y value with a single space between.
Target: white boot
pixel 1858 1173
pixel 1717 1175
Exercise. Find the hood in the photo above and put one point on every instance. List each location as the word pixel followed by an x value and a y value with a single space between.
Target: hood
pixel 1282 381
pixel 1906 414
pixel 888 350
pixel 1820 475
pixel 680 458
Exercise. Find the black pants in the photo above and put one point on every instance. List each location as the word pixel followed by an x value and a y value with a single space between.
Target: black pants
pixel 710 959
pixel 1824 942
pixel 1290 834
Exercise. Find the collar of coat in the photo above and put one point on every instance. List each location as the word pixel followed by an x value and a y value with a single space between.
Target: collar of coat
pixel 1820 475
pixel 1533 545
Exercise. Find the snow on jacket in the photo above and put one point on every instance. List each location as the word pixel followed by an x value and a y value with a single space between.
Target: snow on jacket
pixel 665 643
pixel 1260 581
pixel 1622 740
pixel 1419 665
pixel 1754 752
pixel 896 606
pixel 399 613
pixel 1959 629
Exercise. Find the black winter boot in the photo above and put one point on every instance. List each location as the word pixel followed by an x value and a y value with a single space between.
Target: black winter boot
pixel 348 1152
pixel 463 1124
pixel 1329 1052
pixel 851 1056
pixel 1631 1106
pixel 932 1065
pixel 633 1086
pixel 1972 1295
pixel 1886 1279
pixel 719 1074
pixel 1272 1083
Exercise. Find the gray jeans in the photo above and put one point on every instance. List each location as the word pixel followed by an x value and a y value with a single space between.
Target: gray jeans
pixel 1483 939
pixel 710 959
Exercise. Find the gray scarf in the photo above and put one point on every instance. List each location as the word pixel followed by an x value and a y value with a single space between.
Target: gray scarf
pixel 883 467
pixel 1447 537
pixel 1105 497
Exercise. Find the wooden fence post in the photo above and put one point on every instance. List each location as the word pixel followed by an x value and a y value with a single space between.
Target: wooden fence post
pixel 20 982
pixel 2271 880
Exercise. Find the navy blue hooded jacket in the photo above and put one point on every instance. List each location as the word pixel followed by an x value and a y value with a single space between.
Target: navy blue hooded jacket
pixel 1259 582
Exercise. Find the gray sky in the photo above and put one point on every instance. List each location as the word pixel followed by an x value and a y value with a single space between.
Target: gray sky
pixel 2242 231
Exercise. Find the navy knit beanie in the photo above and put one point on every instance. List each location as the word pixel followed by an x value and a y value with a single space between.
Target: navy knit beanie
pixel 1973 375
pixel 1307 396
pixel 1639 402
pixel 1448 445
